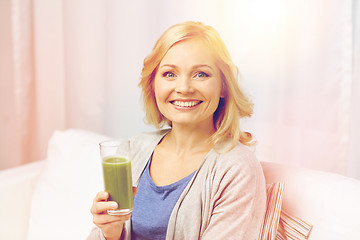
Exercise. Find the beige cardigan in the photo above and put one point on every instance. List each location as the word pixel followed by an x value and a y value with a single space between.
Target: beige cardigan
pixel 224 200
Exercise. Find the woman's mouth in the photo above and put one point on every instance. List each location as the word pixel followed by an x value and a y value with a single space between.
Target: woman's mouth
pixel 185 104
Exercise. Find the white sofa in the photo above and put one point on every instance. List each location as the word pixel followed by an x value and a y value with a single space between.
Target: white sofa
pixel 50 199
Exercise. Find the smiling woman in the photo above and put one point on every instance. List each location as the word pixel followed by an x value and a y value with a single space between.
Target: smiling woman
pixel 221 66
pixel 200 168
pixel 187 85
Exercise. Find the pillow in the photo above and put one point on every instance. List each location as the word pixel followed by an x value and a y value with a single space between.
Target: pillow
pixel 291 227
pixel 274 193
pixel 72 176
pixel 278 224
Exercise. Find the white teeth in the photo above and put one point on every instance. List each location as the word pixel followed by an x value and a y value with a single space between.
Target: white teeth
pixel 186 104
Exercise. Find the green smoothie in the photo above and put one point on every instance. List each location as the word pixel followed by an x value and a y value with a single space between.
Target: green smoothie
pixel 118 183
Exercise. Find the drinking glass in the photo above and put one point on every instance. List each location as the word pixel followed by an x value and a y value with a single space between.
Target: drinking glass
pixel 116 164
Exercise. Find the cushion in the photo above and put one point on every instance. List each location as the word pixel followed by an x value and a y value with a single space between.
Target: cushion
pixel 279 225
pixel 72 176
pixel 273 210
pixel 291 227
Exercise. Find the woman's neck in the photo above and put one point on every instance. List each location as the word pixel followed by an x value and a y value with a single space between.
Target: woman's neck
pixel 185 139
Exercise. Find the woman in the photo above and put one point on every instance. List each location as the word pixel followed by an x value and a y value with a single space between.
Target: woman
pixel 198 179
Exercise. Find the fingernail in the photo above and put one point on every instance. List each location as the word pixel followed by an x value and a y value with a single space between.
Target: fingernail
pixel 113 205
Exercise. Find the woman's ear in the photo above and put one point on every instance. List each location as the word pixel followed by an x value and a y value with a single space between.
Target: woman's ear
pixel 223 91
pixel 222 95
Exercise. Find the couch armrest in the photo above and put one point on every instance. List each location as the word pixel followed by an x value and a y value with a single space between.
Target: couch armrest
pixel 16 189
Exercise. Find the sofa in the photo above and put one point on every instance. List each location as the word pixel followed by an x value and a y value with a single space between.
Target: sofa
pixel 51 198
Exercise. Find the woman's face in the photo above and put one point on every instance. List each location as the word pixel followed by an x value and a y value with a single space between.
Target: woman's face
pixel 187 84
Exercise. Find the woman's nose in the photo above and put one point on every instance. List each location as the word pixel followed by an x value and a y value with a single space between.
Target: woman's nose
pixel 184 85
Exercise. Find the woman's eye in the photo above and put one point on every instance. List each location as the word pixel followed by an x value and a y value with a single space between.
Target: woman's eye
pixel 202 75
pixel 169 75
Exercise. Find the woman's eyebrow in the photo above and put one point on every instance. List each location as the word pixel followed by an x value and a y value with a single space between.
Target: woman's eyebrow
pixel 168 65
pixel 202 65
pixel 193 67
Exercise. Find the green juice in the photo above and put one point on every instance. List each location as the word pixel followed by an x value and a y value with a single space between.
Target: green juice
pixel 118 183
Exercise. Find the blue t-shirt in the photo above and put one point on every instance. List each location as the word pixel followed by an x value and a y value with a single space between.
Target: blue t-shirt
pixel 153 206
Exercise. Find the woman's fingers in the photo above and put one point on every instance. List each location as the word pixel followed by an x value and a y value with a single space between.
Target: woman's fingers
pixel 101 196
pixel 102 207
pixel 104 219
pixel 110 225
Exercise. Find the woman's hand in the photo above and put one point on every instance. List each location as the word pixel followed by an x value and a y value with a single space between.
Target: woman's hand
pixel 110 225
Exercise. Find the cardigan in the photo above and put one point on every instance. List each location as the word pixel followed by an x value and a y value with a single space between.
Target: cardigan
pixel 225 199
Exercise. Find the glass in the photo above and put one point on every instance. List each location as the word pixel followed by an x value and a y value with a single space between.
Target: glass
pixel 116 164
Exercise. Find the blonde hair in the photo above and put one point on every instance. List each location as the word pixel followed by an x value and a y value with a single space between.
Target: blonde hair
pixel 233 106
